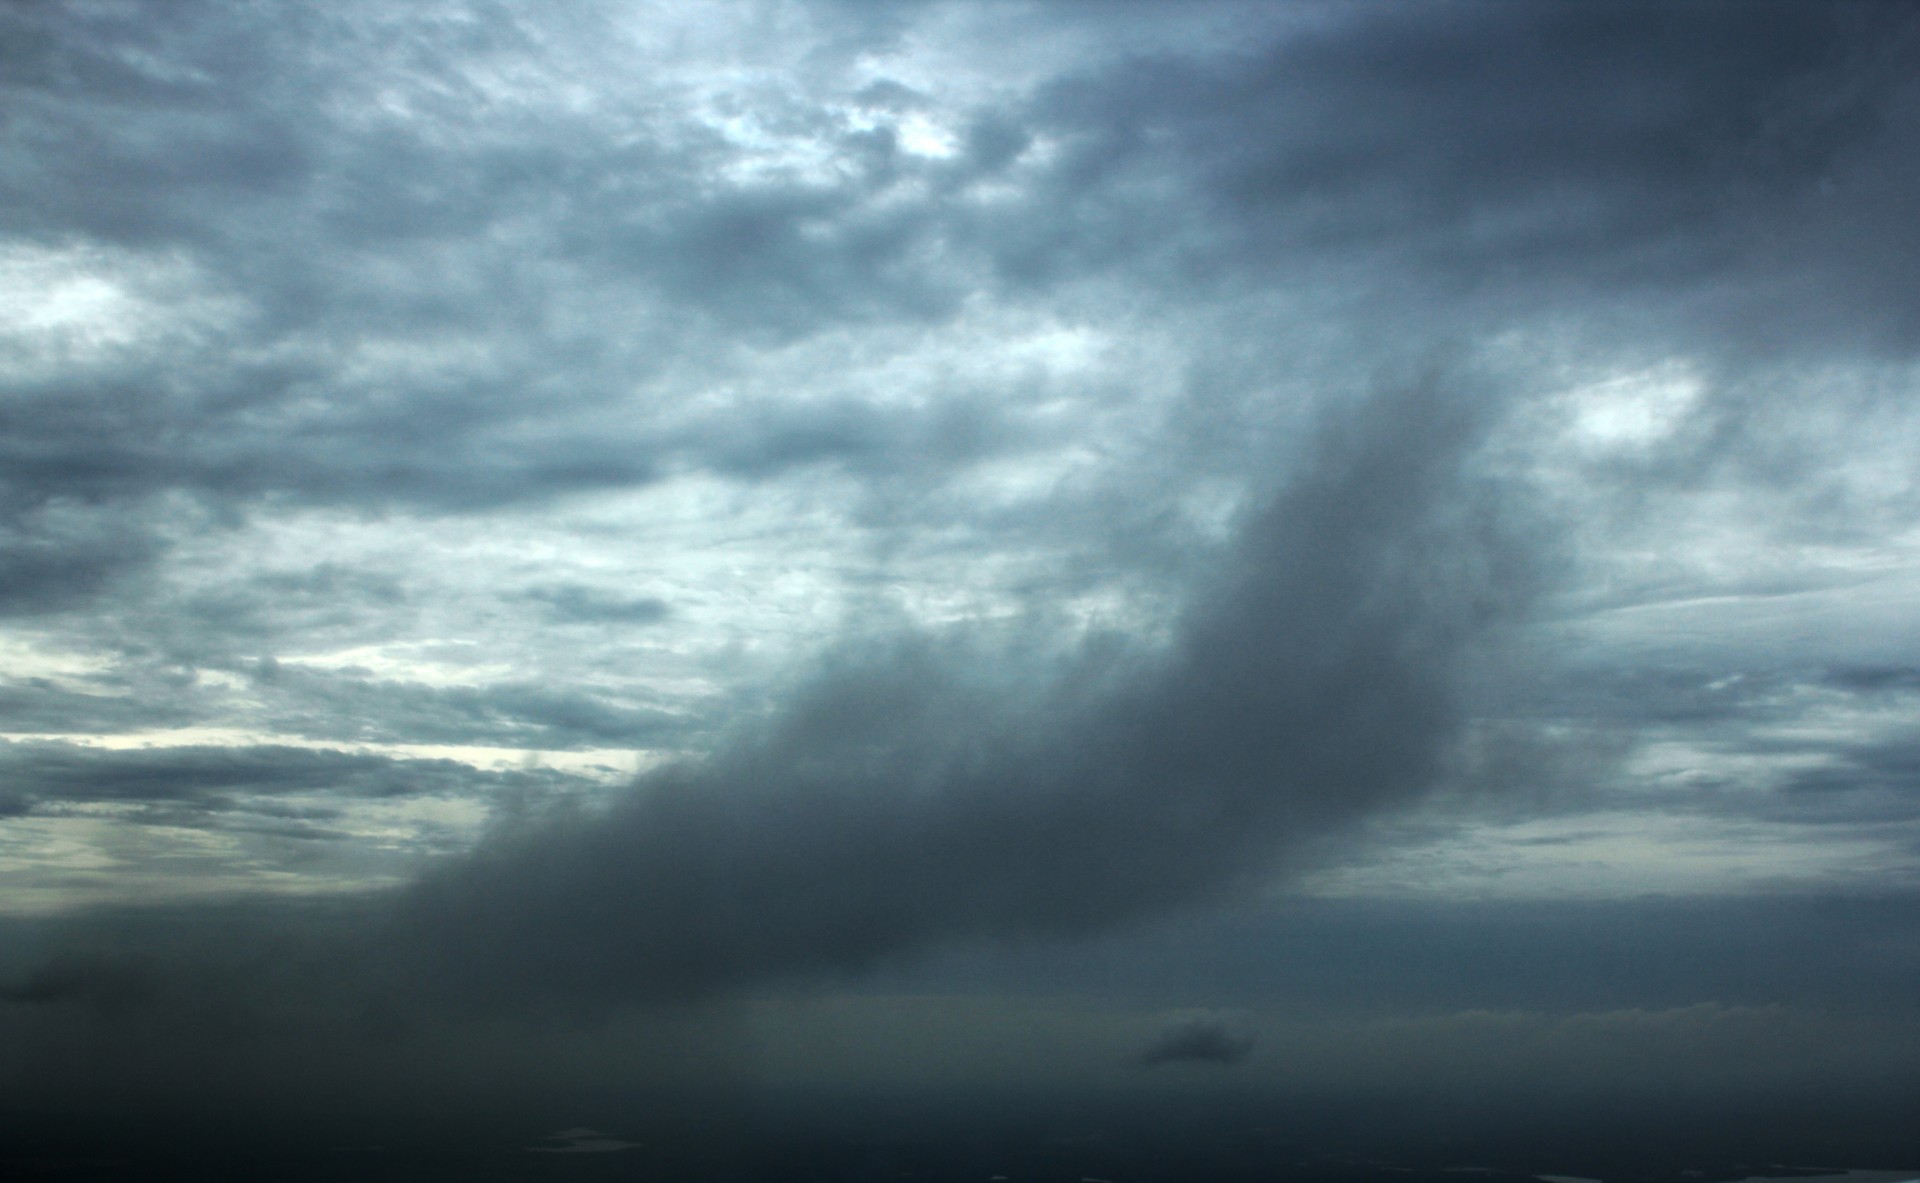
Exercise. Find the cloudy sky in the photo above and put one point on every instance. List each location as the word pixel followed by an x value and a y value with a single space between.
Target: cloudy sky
pixel 1354 550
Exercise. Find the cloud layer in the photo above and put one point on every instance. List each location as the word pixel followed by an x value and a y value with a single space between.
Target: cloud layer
pixel 513 518
pixel 896 803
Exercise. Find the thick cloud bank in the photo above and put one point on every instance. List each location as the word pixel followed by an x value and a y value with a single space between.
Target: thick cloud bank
pixel 903 800
pixel 910 799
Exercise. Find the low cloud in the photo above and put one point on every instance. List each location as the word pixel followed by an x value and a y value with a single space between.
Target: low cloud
pixel 1202 1037
pixel 911 797
pixel 912 461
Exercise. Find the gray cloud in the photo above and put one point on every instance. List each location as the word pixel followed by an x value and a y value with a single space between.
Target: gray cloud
pixel 893 805
pixel 906 801
pixel 942 437
pixel 574 604
pixel 37 704
pixel 1202 1038
pixel 1864 783
pixel 343 707
pixel 1452 185
pixel 1652 146
pixel 56 559
pixel 226 778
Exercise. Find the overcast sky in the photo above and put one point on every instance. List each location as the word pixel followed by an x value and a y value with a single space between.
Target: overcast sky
pixel 1362 548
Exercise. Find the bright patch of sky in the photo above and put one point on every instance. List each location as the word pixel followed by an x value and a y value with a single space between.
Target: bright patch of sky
pixel 1621 854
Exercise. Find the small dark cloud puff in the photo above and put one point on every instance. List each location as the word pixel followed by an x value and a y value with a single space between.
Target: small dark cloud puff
pixel 1200 1037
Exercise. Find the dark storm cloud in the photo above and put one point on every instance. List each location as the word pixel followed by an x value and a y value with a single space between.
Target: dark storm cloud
pixel 1391 137
pixel 916 797
pixel 920 797
pixel 902 801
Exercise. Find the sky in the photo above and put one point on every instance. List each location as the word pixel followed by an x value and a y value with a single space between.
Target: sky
pixel 558 555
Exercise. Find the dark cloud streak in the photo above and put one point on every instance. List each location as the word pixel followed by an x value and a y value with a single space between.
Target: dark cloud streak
pixel 893 806
pixel 218 778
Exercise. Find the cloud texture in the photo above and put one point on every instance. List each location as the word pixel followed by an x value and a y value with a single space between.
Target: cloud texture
pixel 667 519
pixel 896 803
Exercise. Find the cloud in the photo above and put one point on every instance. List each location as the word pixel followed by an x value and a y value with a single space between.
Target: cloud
pixel 574 604
pixel 1379 172
pixel 1198 1038
pixel 41 705
pixel 1869 782
pixel 98 982
pixel 358 306
pixel 339 706
pixel 913 797
pixel 943 447
pixel 54 559
pixel 904 800
pixel 243 779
